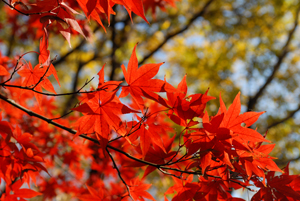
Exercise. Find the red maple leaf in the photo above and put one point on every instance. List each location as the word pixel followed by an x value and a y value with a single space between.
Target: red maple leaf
pixel 44 56
pixel 149 133
pixel 152 4
pixel 138 190
pixel 155 155
pixel 135 6
pixel 233 120
pixel 93 9
pixel 13 192
pixel 185 189
pixel 5 127
pixel 140 82
pixel 283 187
pixel 3 71
pixel 36 77
pixel 258 160
pixel 186 107
pixel 93 196
pixel 101 111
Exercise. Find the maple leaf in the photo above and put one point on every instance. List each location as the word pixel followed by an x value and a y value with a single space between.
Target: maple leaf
pixel 213 189
pixel 155 155
pixel 158 155
pixel 283 187
pixel 135 6
pixel 149 133
pixel 152 4
pixel 140 81
pixel 18 194
pixel 138 190
pixel 93 196
pixel 5 127
pixel 3 71
pixel 232 120
pixel 101 111
pixel 94 9
pixel 186 108
pixel 32 78
pixel 258 160
pixel 91 11
pixel 185 189
pixel 44 56
pixel 101 114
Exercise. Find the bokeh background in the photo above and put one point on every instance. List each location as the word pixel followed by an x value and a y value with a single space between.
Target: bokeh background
pixel 252 46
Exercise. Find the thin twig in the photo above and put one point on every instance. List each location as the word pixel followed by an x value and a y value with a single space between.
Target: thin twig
pixel 167 173
pixel 119 173
pixel 234 181
pixel 42 78
pixel 175 33
pixel 63 94
pixel 15 70
pixel 63 115
pixel 290 115
pixel 27 14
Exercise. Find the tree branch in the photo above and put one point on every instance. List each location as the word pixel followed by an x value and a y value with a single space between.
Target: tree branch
pixel 114 47
pixel 27 14
pixel 51 94
pixel 173 34
pixel 11 41
pixel 253 100
pixel 72 131
pixel 117 43
pixel 119 173
pixel 290 115
pixel 71 98
pixel 285 162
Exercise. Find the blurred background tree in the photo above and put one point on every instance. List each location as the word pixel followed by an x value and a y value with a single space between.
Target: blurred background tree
pixel 227 46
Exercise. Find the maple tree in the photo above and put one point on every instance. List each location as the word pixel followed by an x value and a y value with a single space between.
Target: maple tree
pixel 122 128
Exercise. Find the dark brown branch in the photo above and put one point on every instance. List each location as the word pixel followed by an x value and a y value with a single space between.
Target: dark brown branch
pixel 167 173
pixel 286 161
pixel 11 42
pixel 175 33
pixel 76 79
pixel 72 98
pixel 114 48
pixel 27 14
pixel 72 131
pixel 66 114
pixel 290 115
pixel 117 43
pixel 253 100
pixel 49 94
pixel 232 180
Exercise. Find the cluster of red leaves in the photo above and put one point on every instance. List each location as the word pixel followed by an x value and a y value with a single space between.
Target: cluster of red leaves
pixel 208 158
pixel 62 13
pixel 222 151
pixel 20 161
